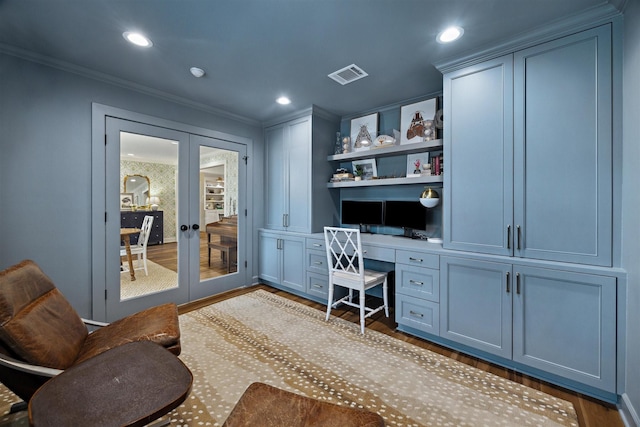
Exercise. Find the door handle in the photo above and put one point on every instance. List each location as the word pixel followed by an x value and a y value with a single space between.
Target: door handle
pixel 508 236
pixel 518 283
pixel 195 226
pixel 519 235
pixel 184 227
pixel 508 280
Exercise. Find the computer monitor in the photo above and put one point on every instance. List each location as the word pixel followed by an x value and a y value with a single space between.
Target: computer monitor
pixel 362 212
pixel 406 214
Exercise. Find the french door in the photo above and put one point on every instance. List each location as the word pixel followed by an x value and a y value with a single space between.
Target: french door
pixel 154 175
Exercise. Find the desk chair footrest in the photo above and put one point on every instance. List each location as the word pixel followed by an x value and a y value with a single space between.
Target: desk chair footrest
pixel 369 311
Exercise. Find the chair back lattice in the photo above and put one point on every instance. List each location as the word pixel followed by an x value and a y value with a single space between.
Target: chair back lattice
pixel 145 230
pixel 344 250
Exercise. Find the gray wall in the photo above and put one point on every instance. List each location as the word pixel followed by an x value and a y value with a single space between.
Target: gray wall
pixel 45 165
pixel 631 198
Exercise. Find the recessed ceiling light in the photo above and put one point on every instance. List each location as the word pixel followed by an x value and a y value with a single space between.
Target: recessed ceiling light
pixel 283 100
pixel 137 39
pixel 450 34
pixel 197 72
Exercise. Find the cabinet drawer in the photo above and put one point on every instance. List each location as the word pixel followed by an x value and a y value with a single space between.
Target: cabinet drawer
pixel 418 282
pixel 418 314
pixel 317 261
pixel 378 253
pixel 316 244
pixel 418 258
pixel 318 285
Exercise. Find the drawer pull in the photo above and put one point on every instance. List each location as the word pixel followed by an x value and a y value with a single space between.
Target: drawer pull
pixel 415 259
pixel 416 314
pixel 318 262
pixel 317 245
pixel 315 285
pixel 415 282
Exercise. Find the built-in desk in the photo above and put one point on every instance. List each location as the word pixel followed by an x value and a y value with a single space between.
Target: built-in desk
pixel 555 321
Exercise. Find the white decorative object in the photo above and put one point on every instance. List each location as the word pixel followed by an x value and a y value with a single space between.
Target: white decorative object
pixel 415 163
pixel 369 168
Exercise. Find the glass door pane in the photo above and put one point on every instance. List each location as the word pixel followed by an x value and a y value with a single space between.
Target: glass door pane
pixel 148 168
pixel 220 199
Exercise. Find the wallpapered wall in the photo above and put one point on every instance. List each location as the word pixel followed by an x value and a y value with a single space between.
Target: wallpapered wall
pixel 163 184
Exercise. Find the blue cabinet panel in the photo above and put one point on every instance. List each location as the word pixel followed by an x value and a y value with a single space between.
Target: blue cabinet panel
pixel 417 313
pixel 565 323
pixel 478 156
pixel 475 304
pixel 563 149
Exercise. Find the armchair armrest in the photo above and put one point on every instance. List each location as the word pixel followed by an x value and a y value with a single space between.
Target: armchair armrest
pixel 42 371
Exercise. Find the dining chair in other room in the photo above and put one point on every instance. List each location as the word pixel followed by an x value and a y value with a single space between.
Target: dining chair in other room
pixel 140 248
pixel 346 269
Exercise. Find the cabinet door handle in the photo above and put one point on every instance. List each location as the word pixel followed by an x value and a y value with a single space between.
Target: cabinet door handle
pixel 279 244
pixel 315 285
pixel 416 314
pixel 284 220
pixel 519 235
pixel 415 282
pixel 509 236
pixel 317 245
pixel 508 282
pixel 518 283
pixel 318 262
pixel 287 219
pixel 412 259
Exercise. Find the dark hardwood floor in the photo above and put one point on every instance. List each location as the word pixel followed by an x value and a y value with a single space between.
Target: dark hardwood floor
pixel 591 412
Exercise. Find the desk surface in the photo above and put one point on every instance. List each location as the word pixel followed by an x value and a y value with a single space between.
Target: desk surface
pixel 130 385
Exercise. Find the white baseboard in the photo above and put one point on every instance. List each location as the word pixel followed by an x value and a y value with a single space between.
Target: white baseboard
pixel 628 412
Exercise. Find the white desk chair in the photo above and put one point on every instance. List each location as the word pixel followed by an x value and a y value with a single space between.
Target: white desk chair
pixel 346 269
pixel 140 248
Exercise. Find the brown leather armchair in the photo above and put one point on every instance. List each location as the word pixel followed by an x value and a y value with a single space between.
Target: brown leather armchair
pixel 41 334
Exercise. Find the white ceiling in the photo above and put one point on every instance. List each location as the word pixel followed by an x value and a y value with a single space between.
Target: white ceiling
pixel 256 50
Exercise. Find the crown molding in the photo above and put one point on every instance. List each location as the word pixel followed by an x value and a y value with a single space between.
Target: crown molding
pixel 592 17
pixel 106 78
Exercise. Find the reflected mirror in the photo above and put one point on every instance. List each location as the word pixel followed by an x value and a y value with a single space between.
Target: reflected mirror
pixel 138 186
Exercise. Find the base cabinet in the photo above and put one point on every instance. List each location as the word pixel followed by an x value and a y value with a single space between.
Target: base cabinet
pixel 281 260
pixel 561 322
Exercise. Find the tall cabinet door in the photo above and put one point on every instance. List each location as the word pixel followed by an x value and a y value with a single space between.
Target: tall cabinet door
pixel 276 160
pixel 478 155
pixel 298 202
pixel 475 304
pixel 562 149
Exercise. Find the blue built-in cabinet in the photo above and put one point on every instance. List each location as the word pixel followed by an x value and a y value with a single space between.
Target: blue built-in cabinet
pixel 527 275
pixel 528 148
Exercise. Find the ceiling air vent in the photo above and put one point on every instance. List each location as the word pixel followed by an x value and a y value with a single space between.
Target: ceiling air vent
pixel 348 74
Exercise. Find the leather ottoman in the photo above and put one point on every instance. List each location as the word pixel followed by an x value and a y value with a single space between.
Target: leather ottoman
pixel 266 406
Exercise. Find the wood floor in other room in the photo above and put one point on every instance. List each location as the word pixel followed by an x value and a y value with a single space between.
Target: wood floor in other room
pixel 591 412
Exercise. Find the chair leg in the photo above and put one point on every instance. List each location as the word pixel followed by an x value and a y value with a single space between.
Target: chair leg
pixel 329 302
pixel 385 297
pixel 362 296
pixel 144 260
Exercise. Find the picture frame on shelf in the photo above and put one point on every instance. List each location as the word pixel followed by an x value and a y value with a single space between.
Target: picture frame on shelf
pixel 364 131
pixel 369 168
pixel 418 165
pixel 126 200
pixel 417 121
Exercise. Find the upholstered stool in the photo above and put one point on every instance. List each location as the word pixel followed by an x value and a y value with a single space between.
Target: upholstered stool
pixel 266 406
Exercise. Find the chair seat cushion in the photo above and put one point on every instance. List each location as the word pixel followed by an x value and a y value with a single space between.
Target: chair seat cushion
pixel 157 324
pixel 351 280
pixel 267 406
